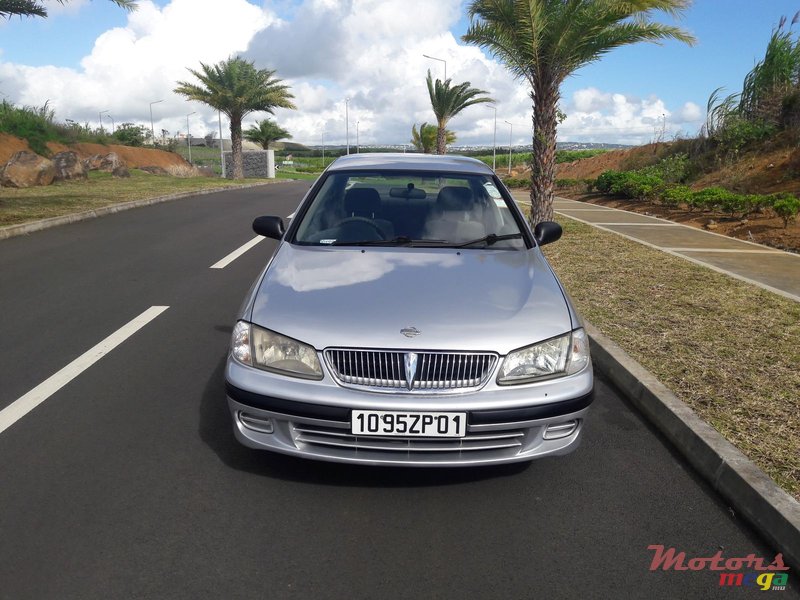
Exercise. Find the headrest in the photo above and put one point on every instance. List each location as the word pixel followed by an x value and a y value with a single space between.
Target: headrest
pixel 362 201
pixel 454 198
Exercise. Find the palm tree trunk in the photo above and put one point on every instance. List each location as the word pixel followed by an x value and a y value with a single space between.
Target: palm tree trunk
pixel 236 147
pixel 441 140
pixel 545 96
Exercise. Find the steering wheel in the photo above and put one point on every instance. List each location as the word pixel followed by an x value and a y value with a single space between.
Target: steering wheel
pixel 364 221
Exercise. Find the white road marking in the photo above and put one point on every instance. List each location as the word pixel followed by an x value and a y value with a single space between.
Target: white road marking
pixel 728 250
pixel 221 264
pixel 639 224
pixel 25 404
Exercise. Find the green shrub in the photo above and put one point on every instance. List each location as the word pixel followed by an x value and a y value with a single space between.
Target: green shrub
pixel 754 203
pixel 30 123
pixel 710 198
pixel 672 169
pixel 637 185
pixel 675 195
pixel 566 183
pixel 130 134
pixel 738 132
pixel 787 208
pixel 606 180
pixel 517 182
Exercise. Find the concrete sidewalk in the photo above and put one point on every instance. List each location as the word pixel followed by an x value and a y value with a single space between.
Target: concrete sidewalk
pixel 771 269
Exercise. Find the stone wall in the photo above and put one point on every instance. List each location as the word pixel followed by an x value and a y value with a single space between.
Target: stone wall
pixel 254 163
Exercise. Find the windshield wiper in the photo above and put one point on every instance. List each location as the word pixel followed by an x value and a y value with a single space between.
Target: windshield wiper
pixel 490 239
pixel 401 240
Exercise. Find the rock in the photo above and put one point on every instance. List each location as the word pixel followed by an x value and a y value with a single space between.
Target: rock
pixel 26 169
pixel 103 162
pixel 153 170
pixel 121 171
pixel 770 166
pixel 68 166
pixel 712 224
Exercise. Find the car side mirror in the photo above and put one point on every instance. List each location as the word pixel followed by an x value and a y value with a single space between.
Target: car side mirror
pixel 546 232
pixel 271 227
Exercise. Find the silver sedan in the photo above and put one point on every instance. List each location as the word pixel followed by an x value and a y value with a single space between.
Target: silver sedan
pixel 408 317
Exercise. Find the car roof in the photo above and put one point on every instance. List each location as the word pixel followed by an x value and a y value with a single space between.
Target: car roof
pixel 410 162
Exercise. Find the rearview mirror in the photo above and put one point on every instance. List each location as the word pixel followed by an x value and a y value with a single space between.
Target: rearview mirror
pixel 546 232
pixel 271 227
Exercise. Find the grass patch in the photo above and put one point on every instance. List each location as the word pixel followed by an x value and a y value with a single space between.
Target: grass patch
pixel 728 349
pixel 285 174
pixel 30 204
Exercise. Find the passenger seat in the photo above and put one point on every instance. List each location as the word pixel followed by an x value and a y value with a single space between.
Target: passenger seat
pixel 455 217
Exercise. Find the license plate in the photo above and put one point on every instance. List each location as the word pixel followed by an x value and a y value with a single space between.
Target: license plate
pixel 409 424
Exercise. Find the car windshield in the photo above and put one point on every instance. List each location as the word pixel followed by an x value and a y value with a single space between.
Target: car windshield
pixel 409 209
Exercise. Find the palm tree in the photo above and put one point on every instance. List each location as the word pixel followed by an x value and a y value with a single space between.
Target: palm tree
pixel 33 8
pixel 545 41
pixel 424 138
pixel 235 87
pixel 448 101
pixel 265 132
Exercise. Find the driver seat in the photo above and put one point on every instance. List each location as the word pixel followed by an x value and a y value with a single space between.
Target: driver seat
pixel 366 203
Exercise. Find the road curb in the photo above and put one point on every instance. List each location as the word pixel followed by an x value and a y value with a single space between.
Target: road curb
pixel 10 231
pixel 773 512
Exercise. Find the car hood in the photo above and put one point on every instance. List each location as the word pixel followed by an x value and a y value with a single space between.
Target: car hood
pixel 491 300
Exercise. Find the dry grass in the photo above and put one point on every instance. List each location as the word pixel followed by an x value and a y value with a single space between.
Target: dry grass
pixel 30 204
pixel 728 349
pixel 183 171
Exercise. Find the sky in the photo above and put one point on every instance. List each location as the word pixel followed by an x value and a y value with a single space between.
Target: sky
pixel 90 57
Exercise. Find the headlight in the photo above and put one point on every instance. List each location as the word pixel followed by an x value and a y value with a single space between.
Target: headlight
pixel 564 355
pixel 272 351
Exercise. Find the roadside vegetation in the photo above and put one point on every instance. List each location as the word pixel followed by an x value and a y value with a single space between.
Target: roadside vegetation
pixel 726 348
pixel 448 100
pixel 38 125
pixel 102 189
pixel 544 42
pixel 235 87
pixel 720 179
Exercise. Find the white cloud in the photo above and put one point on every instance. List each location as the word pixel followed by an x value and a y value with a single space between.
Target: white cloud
pixel 690 113
pixel 131 66
pixel 594 115
pixel 368 50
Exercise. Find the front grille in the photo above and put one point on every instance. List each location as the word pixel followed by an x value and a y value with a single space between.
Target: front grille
pixel 394 370
pixel 507 442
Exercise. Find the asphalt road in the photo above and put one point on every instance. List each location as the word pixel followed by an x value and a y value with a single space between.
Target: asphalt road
pixel 127 482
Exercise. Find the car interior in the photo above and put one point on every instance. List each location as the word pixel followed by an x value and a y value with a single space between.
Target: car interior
pixel 351 209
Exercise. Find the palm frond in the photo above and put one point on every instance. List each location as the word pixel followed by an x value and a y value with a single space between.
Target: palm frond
pixel 34 8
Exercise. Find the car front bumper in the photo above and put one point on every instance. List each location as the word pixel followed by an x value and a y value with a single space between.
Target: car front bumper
pixel 311 419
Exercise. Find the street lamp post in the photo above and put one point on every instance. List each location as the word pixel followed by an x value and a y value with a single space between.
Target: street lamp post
pixel 113 125
pixel 440 60
pixel 152 127
pixel 494 141
pixel 222 146
pixel 188 135
pixel 323 148
pixel 347 123
pixel 510 137
pixel 358 146
pixel 100 114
